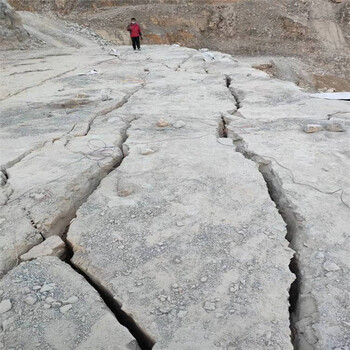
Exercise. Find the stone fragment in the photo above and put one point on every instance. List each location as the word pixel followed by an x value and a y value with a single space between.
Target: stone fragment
pixel 125 192
pixel 65 308
pixel 106 98
pixel 53 246
pixel 330 266
pixel 50 300
pixel 209 306
pixel 146 151
pixel 182 314
pixel 71 300
pixel 56 304
pixel 7 324
pixel 335 127
pixel 45 288
pixel 179 124
pixel 311 128
pixel 31 299
pixel 162 123
pixel 5 306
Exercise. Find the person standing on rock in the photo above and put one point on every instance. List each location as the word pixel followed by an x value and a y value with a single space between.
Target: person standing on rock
pixel 135 34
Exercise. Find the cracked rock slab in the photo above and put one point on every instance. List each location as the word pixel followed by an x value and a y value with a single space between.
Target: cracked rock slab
pixel 41 316
pixel 194 250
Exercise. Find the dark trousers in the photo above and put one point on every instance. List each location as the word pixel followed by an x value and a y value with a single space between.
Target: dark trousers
pixel 135 42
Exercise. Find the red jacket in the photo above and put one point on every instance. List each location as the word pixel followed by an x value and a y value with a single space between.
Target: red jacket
pixel 134 29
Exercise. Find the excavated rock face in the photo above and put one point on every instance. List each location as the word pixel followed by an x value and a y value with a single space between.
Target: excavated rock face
pixel 343 16
pixel 12 34
pixel 313 30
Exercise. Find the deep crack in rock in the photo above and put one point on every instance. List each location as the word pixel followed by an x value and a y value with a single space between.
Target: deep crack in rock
pixel 285 208
pixel 143 339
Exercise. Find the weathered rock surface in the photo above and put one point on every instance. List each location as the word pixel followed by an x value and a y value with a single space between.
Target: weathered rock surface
pixel 183 234
pixel 55 308
pixel 186 284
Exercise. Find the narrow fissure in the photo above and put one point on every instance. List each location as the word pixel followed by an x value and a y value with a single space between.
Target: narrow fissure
pixel 222 128
pixel 3 177
pixel 284 207
pixel 238 99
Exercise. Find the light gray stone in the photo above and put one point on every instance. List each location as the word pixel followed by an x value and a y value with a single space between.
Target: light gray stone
pixel 5 306
pixel 311 128
pixel 330 266
pixel 53 246
pixel 65 308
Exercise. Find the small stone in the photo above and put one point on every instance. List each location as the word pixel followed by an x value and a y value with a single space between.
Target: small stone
pixel 330 266
pixel 31 299
pixel 177 260
pixel 7 324
pixel 319 255
pixel 162 123
pixel 147 151
pixel 209 306
pixel 50 300
pixel 204 279
pixel 47 306
pixel 165 309
pixel 335 127
pixel 162 298
pixel 56 304
pixel 5 306
pixel 25 290
pixel 106 98
pixel 65 308
pixel 53 246
pixel 71 300
pixel 182 314
pixel 179 124
pixel 121 247
pixel 46 288
pixel 125 193
pixel 180 224
pixel 310 128
pixel 36 287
